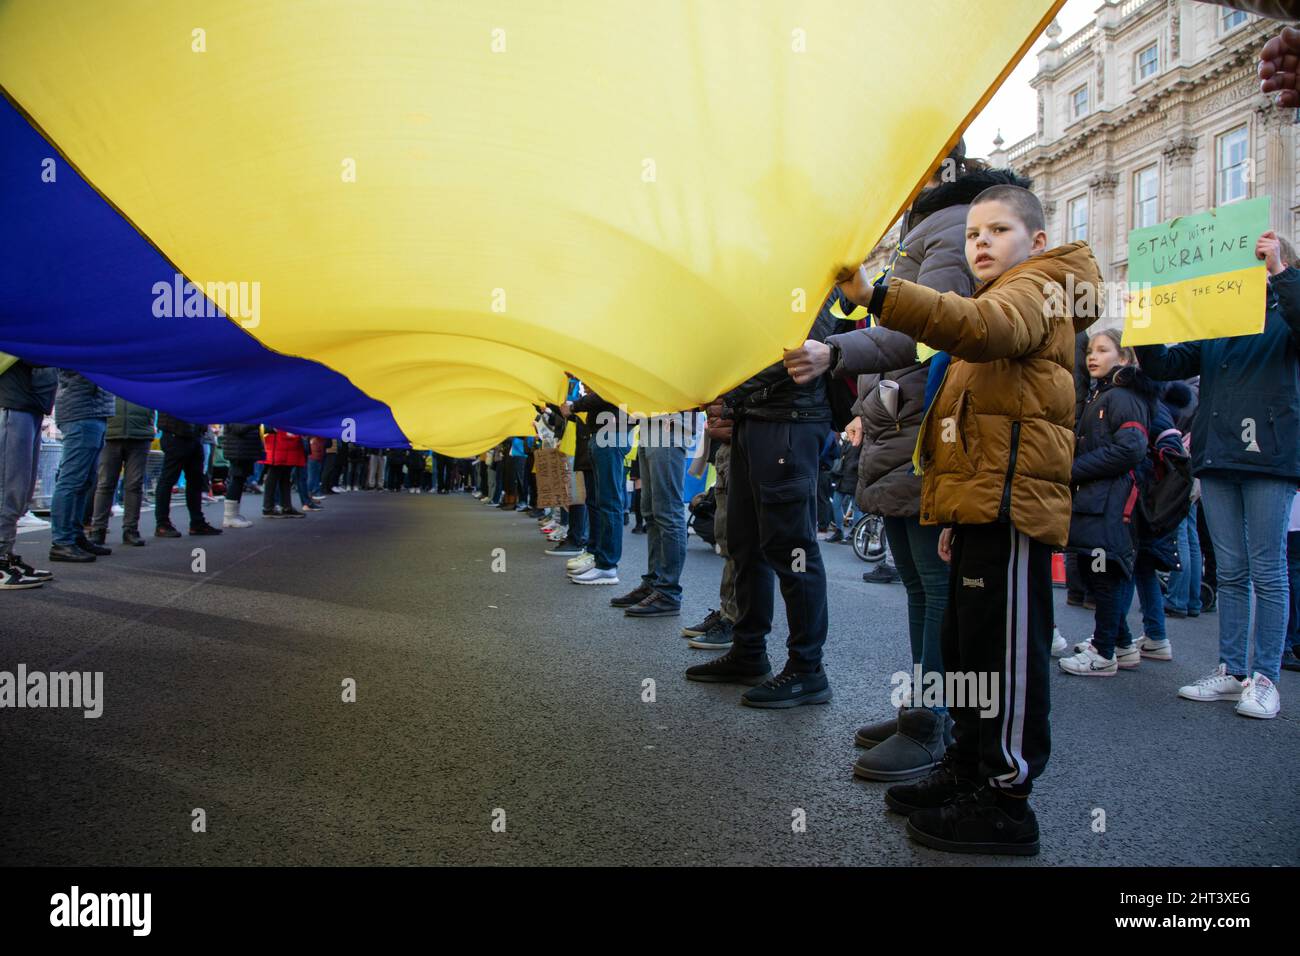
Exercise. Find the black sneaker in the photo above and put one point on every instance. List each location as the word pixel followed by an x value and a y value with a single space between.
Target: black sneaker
pixel 709 623
pixel 565 548
pixel 98 537
pixel 655 604
pixel 93 547
pixel 976 823
pixel 204 529
pixel 883 573
pixel 789 689
pixel 635 596
pixel 132 539
pixel 69 552
pixel 939 788
pixel 731 668
pixel 287 513
pixel 716 638
pixel 13 578
pixel 28 570
pixel 166 531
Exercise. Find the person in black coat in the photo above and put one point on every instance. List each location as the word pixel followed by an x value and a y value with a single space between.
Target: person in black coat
pixel 1110 443
pixel 242 446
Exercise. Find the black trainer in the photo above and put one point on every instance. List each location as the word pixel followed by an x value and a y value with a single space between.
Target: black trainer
pixel 710 621
pixel 204 528
pixel 93 547
pixel 635 596
pixel 976 823
pixel 731 668
pixel 883 573
pixel 69 552
pixel 166 531
pixel 789 689
pixel 655 604
pixel 29 571
pixel 13 578
pixel 939 788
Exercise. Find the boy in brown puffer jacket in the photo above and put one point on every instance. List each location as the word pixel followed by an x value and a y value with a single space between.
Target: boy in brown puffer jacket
pixel 995 451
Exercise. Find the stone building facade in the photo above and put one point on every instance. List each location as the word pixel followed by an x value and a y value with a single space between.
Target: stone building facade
pixel 1152 111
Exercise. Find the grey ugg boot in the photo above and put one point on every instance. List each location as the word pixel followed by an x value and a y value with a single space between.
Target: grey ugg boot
pixel 918 746
pixel 872 734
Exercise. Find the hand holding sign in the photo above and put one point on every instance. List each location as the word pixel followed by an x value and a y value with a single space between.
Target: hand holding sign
pixel 1269 248
pixel 1198 277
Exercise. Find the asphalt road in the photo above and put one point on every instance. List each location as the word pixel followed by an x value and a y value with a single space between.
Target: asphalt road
pixel 515 696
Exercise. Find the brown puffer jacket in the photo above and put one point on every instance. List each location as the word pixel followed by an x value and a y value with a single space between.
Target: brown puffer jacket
pixel 998 440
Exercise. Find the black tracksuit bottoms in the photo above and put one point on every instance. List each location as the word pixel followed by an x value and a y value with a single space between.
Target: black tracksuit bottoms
pixel 999 624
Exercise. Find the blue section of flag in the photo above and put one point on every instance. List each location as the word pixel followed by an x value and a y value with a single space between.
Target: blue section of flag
pixel 77 291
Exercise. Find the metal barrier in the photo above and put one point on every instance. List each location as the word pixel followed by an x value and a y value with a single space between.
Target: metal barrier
pixel 47 467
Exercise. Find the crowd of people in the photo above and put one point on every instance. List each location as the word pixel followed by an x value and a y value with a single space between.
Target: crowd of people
pixel 989 428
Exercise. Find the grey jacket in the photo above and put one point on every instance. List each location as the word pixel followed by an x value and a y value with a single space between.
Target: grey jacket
pixel 79 398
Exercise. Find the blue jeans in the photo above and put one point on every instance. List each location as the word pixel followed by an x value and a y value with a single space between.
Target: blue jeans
pixel 1293 566
pixel 1146 586
pixel 844 503
pixel 607 512
pixel 1247 516
pixel 1185 583
pixel 1113 593
pixel 663 478
pixel 313 476
pixel 82 441
pixel 577 533
pixel 925 576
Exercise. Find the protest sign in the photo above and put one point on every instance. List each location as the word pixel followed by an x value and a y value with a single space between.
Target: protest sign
pixel 1196 277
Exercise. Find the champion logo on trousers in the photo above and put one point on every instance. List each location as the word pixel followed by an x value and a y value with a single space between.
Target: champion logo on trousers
pixel 972 582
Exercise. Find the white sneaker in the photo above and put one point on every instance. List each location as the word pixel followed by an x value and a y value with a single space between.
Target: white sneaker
pixel 236 521
pixel 1059 644
pixel 1126 658
pixel 580 564
pixel 339 490
pixel 595 575
pixel 117 511
pixel 1155 650
pixel 1217 686
pixel 1259 698
pixel 29 522
pixel 1088 663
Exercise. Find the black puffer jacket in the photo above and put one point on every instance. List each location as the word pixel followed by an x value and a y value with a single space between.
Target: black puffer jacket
pixel 242 442
pixel 772 394
pixel 1110 444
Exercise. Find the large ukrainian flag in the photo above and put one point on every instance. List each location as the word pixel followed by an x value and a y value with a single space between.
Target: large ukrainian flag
pixel 419 215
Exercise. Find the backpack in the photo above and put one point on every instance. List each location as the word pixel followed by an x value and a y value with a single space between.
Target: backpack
pixel 1162 493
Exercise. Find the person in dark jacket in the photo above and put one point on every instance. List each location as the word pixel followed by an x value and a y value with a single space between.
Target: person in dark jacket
pixel 26 397
pixel 772 532
pixel 126 451
pixel 896 377
pixel 1246 452
pixel 82 410
pixel 1110 444
pixel 182 447
pixel 242 446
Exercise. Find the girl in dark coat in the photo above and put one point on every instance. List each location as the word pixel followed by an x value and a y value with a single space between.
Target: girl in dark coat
pixel 1110 443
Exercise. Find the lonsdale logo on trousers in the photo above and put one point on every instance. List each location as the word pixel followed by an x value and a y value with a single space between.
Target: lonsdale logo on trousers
pixel 972 582
pixel 75 908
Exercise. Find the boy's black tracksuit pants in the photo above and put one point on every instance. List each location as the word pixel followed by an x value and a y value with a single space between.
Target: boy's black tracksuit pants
pixel 999 622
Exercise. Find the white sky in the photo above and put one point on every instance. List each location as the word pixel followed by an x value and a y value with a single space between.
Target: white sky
pixel 1014 108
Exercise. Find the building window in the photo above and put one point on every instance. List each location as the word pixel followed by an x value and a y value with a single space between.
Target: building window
pixel 1079 103
pixel 1229 20
pixel 1146 197
pixel 1148 62
pixel 1078 219
pixel 1230 164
